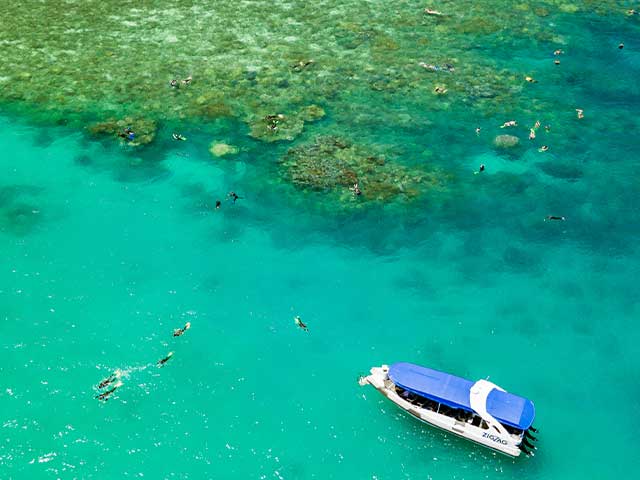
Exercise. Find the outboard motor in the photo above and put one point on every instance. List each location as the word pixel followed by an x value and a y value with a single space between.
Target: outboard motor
pixel 524 450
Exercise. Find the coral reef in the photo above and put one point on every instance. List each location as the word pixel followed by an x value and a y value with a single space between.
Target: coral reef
pixel 330 163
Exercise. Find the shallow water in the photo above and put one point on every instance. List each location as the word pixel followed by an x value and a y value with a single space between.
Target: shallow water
pixel 107 247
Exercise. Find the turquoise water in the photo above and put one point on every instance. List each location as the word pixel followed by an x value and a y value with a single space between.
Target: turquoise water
pixel 106 249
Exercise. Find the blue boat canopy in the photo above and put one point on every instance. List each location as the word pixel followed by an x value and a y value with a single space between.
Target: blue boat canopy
pixel 508 409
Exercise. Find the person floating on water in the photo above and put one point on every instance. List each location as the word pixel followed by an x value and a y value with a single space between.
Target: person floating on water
pixel 531 79
pixel 177 136
pixel 478 130
pixel 356 189
pixel 110 379
pixel 179 331
pixel 580 113
pixel 480 170
pixel 127 134
pixel 510 123
pixel 543 148
pixel 430 11
pixel 218 204
pixel 300 323
pixel 621 45
pixel 187 81
pixel 104 396
pixel 174 83
pixel 233 196
pixel 532 134
pixel 556 61
pixel 164 360
pixel 558 52
pixel 554 217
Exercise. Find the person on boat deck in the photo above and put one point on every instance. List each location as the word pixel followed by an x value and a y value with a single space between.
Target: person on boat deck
pixel 300 323
pixel 179 331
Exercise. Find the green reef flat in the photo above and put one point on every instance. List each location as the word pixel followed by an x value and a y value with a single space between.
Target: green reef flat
pixel 349 68
pixel 111 240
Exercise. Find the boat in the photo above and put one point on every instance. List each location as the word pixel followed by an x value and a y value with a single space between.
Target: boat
pixel 478 411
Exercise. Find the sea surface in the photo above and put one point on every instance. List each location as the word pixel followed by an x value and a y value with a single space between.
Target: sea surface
pixel 108 245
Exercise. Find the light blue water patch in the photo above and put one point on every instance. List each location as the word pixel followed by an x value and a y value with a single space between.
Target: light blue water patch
pixel 98 270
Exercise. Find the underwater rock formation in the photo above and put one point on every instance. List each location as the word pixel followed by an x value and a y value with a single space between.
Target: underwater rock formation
pixel 506 141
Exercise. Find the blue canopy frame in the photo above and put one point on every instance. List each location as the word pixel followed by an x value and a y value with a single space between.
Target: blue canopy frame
pixel 507 408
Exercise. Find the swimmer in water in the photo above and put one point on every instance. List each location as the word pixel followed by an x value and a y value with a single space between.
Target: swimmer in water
pixel 179 331
pixel 531 80
pixel 510 123
pixel 233 196
pixel 580 113
pixel 104 396
pixel 110 379
pixel 556 61
pixel 164 360
pixel 532 134
pixel 300 323
pixel 187 81
pixel 536 125
pixel 554 217
pixel 477 130
pixel 218 204
pixel 480 170
pixel 621 45
pixel 174 83
pixel 430 11
pixel 356 189
pixel 177 136
pixel 558 52
pixel 543 148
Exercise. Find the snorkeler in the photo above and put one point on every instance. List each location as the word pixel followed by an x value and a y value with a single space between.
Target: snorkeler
pixel 430 11
pixel 174 83
pixel 621 45
pixel 187 81
pixel 558 52
pixel 510 123
pixel 218 204
pixel 554 217
pixel 531 79
pixel 532 134
pixel 300 323
pixel 233 196
pixel 440 90
pixel 110 379
pixel 164 360
pixel 127 134
pixel 580 113
pixel 177 136
pixel 179 331
pixel 543 148
pixel 480 170
pixel 478 130
pixel 105 395
pixel 556 61
pixel 356 189
pixel 302 64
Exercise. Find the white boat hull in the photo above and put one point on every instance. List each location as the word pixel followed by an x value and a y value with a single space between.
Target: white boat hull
pixel 500 441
